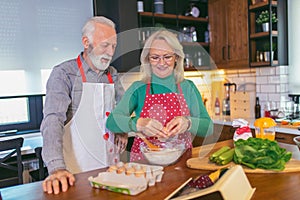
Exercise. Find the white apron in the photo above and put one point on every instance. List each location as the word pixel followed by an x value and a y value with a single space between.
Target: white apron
pixel 87 144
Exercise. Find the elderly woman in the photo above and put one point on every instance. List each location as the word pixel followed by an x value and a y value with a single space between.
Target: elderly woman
pixel 164 103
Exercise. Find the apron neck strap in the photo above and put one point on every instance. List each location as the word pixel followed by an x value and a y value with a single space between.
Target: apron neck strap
pixel 79 64
pixel 179 88
pixel 149 87
pixel 109 77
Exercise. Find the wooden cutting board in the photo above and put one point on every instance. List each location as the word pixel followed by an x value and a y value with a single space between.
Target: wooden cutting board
pixel 200 159
pixel 204 164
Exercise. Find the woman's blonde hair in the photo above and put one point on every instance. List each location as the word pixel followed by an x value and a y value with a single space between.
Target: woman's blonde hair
pixel 174 43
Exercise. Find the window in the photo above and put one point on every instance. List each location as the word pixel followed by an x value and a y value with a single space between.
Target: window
pixel 20 114
pixel 35 36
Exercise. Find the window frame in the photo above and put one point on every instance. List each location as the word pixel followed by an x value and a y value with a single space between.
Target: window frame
pixel 35 108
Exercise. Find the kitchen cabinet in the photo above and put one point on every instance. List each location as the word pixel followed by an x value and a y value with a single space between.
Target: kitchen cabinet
pixel 220 133
pixel 285 137
pixel 124 14
pixel 192 31
pixel 228 21
pixel 274 39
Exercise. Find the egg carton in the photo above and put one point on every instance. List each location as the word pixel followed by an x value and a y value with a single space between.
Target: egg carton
pixel 122 179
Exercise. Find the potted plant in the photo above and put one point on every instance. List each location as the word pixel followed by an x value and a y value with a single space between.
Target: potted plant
pixel 264 19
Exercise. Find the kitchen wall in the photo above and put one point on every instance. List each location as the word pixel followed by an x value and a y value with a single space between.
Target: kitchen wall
pixel 271 84
pixel 293 44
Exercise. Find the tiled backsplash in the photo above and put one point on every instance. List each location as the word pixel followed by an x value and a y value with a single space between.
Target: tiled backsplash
pixel 270 83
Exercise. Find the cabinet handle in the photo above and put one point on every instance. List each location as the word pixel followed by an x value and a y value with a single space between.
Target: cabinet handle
pixel 280 138
pixel 223 52
pixel 228 53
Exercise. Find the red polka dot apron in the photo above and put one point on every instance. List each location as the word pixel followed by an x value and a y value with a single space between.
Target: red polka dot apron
pixel 162 107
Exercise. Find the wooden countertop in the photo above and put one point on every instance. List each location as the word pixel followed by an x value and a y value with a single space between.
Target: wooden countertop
pixel 268 186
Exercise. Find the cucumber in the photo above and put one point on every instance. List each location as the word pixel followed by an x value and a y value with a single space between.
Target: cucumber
pixel 227 155
pixel 213 157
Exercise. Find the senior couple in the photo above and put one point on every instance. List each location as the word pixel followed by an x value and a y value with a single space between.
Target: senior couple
pixel 87 114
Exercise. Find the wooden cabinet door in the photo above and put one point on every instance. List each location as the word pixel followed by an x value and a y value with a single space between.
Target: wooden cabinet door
pixel 229 33
pixel 218 32
pixel 237 27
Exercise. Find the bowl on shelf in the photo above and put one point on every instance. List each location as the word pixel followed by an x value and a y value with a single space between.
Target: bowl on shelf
pixel 168 153
pixel 297 140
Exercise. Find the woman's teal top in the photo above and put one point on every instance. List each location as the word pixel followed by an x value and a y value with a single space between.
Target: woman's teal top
pixel 123 118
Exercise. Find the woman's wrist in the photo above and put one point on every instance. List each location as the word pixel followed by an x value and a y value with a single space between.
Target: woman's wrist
pixel 189 122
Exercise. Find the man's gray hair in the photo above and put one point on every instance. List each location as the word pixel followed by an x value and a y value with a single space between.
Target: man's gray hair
pixel 89 27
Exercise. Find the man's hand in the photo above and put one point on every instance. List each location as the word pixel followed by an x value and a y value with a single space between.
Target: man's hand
pixel 121 141
pixel 59 180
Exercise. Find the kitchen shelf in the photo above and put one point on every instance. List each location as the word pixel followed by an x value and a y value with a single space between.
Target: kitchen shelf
pixel 260 64
pixel 260 41
pixel 260 5
pixel 204 44
pixel 191 31
pixel 173 16
pixel 263 34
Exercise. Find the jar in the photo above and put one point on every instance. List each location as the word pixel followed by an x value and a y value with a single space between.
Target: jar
pixel 265 128
pixel 140 6
pixel 159 6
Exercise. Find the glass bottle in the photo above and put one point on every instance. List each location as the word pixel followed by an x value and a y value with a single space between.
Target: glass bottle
pixel 217 106
pixel 257 109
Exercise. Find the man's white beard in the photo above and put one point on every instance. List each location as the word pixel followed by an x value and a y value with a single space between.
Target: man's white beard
pixel 96 60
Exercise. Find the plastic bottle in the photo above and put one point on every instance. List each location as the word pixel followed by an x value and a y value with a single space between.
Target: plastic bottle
pixel 217 106
pixel 257 109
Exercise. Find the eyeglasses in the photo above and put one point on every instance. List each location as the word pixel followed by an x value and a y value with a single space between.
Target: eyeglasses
pixel 156 58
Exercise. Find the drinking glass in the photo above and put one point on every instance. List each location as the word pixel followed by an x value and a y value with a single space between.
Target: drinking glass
pixel 289 109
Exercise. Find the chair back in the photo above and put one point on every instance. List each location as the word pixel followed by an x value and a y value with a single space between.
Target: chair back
pixel 11 170
pixel 41 173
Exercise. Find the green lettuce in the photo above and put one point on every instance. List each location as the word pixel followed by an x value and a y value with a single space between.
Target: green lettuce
pixel 261 153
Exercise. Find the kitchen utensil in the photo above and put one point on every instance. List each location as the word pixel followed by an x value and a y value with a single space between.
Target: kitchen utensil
pixel 233 184
pixel 297 140
pixel 169 152
pixel 204 164
pixel 200 160
pixel 242 104
pixel 226 100
pixel 296 110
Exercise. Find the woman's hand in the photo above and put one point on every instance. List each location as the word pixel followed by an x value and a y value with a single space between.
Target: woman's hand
pixel 150 127
pixel 178 125
pixel 121 141
pixel 58 180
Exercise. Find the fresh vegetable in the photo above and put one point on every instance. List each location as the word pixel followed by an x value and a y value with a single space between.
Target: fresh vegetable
pixel 226 157
pixel 213 157
pixel 223 156
pixel 261 153
pixel 253 153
